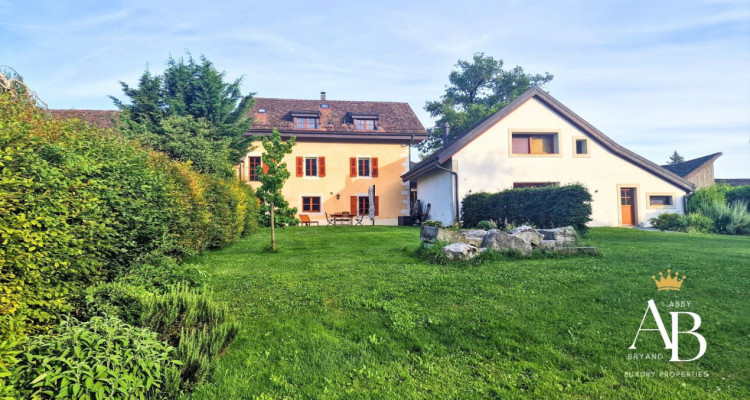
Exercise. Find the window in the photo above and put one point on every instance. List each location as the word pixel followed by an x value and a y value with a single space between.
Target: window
pixel 660 201
pixel 520 185
pixel 364 124
pixel 363 166
pixel 363 205
pixel 582 147
pixel 311 166
pixel 253 164
pixel 311 204
pixel 306 123
pixel 534 143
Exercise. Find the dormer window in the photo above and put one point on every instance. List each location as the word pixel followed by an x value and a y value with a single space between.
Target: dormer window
pixel 365 122
pixel 306 119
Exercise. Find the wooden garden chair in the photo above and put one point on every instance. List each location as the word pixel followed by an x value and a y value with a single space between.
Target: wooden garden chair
pixel 331 221
pixel 304 219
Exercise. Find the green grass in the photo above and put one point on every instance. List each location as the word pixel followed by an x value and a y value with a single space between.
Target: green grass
pixel 351 312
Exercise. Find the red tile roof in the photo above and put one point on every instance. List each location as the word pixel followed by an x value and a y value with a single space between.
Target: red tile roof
pixel 393 118
pixel 100 118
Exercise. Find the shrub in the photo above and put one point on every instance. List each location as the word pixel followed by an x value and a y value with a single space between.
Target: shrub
pixel 666 222
pixel 103 358
pixel 113 299
pixel 731 219
pixel 80 205
pixel 695 223
pixel 486 225
pixel 707 195
pixel 739 193
pixel 198 327
pixel 432 222
pixel 545 207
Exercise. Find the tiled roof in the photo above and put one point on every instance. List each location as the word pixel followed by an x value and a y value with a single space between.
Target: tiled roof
pixel 393 118
pixel 735 182
pixel 100 118
pixel 685 168
pixel 445 154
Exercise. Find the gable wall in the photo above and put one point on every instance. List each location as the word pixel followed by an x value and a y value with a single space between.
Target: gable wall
pixel 485 165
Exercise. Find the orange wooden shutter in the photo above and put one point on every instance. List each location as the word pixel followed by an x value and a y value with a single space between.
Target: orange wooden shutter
pixel 353 205
pixel 377 205
pixel 353 167
pixel 321 166
pixel 300 166
pixel 374 167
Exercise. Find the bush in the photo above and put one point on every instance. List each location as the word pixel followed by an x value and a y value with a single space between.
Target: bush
pixel 486 225
pixel 739 193
pixel 432 222
pixel 707 195
pixel 666 222
pixel 731 219
pixel 544 207
pixel 113 299
pixel 80 205
pixel 101 359
pixel 198 327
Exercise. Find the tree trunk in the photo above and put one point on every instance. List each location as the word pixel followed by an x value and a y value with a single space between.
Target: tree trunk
pixel 273 231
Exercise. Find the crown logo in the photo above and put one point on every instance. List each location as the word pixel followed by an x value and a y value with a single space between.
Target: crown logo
pixel 669 282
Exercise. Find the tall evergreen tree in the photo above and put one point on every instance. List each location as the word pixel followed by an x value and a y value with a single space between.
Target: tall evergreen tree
pixel 190 113
pixel 675 158
pixel 478 89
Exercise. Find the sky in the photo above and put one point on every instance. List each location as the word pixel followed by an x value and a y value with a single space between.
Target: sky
pixel 655 76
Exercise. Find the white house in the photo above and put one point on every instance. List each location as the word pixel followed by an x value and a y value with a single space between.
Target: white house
pixel 535 141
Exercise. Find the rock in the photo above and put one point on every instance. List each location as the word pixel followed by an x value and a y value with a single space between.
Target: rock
pixel 460 251
pixel 474 237
pixel 428 234
pixel 501 241
pixel 564 236
pixel 531 235
pixel 445 235
pixel 522 228
pixel 547 244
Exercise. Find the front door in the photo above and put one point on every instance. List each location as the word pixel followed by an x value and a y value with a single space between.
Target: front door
pixel 627 205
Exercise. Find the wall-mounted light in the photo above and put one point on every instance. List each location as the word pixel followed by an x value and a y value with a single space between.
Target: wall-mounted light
pixel 338 196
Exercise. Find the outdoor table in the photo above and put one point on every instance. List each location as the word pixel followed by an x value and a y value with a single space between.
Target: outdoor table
pixel 341 217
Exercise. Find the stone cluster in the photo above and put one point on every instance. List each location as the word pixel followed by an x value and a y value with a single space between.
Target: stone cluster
pixel 466 244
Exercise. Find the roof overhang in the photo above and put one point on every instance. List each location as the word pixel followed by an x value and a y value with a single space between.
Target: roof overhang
pixel 347 136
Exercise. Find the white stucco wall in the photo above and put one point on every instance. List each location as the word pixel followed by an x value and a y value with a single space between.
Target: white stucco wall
pixel 436 188
pixel 486 165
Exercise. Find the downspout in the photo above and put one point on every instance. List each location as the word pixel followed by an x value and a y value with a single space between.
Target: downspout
pixel 446 131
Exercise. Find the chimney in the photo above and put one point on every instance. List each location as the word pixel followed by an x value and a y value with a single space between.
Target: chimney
pixel 446 133
pixel 322 96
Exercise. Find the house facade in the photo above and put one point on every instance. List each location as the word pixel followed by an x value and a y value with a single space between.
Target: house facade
pixel 342 149
pixel 536 141
pixel 698 171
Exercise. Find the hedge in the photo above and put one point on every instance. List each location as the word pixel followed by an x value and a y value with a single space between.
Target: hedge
pixel 80 205
pixel 544 207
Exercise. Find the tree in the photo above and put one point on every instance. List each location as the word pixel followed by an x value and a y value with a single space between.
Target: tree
pixel 675 158
pixel 190 113
pixel 478 89
pixel 274 210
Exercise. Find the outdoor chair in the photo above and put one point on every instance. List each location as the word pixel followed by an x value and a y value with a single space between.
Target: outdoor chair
pixel 358 219
pixel 304 219
pixel 331 221
pixel 345 217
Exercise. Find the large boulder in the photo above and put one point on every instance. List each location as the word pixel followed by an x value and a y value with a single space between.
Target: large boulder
pixel 473 237
pixel 564 236
pixel 501 241
pixel 460 251
pixel 528 234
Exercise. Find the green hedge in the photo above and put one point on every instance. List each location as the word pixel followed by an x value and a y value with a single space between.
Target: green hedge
pixel 80 205
pixel 739 193
pixel 545 207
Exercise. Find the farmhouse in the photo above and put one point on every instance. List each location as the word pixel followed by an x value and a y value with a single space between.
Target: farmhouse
pixel 534 141
pixel 699 171
pixel 343 148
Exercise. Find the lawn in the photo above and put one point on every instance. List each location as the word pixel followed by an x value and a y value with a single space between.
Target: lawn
pixel 351 312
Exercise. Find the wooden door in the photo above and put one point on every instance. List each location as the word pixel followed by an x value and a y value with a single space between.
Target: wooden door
pixel 627 205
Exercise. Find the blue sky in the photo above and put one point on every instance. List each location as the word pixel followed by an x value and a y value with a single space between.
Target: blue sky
pixel 656 76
